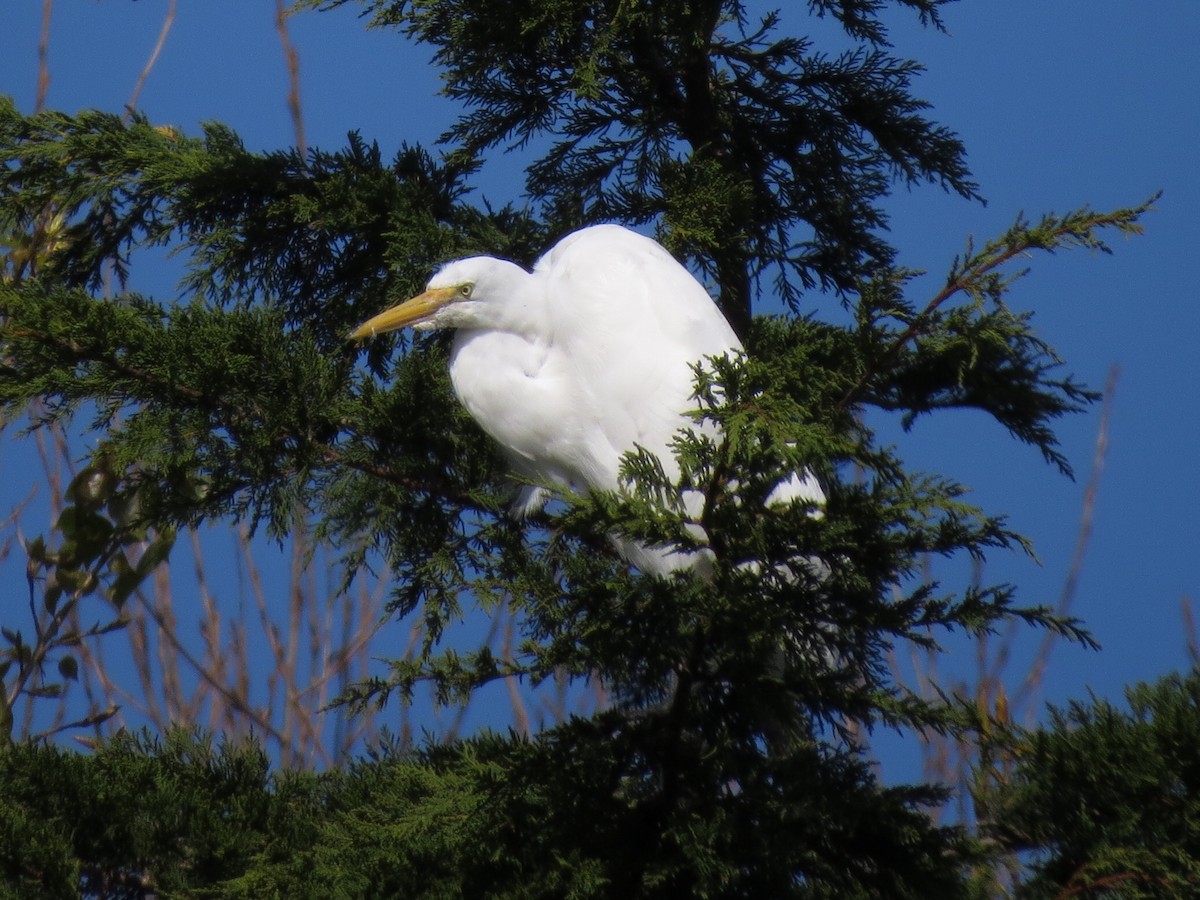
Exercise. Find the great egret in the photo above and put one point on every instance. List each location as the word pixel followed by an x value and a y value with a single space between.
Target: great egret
pixel 587 357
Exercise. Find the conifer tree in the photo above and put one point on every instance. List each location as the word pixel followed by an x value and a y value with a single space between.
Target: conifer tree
pixel 1103 800
pixel 732 759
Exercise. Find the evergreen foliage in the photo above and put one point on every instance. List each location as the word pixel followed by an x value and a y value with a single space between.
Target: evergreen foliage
pixel 759 153
pixel 732 761
pixel 177 816
pixel 1105 799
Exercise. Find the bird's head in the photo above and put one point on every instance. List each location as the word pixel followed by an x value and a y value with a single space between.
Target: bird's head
pixel 476 292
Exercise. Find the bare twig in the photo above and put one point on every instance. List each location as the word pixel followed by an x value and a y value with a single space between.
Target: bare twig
pixel 520 710
pixel 43 80
pixel 168 632
pixel 292 58
pixel 168 21
pixel 1033 679
pixel 1189 624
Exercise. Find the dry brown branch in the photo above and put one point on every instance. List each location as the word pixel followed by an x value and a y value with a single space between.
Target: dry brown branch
pixel 277 673
pixel 216 656
pixel 1033 679
pixel 554 702
pixel 177 651
pixel 600 695
pixel 146 701
pixel 43 79
pixel 292 58
pixel 98 687
pixel 168 21
pixel 1189 625
pixel 520 710
pixel 54 460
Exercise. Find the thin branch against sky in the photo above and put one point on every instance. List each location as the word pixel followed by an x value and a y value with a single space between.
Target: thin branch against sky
pixel 168 21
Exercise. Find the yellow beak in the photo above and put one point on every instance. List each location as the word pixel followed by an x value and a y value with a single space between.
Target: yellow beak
pixel 410 312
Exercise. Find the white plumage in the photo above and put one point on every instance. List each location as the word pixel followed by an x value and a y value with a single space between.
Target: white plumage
pixel 580 361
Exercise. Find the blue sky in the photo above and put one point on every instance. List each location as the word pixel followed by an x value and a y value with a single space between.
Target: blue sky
pixel 1060 104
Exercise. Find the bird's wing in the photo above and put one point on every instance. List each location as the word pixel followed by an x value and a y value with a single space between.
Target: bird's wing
pixel 632 321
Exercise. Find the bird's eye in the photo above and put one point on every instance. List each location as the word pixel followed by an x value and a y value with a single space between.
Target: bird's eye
pixel 464 291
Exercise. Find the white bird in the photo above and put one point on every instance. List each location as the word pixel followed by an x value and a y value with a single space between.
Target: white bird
pixel 580 361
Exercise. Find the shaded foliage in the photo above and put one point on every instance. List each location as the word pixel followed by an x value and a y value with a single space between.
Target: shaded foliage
pixel 1105 799
pixel 180 816
pixel 141 816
